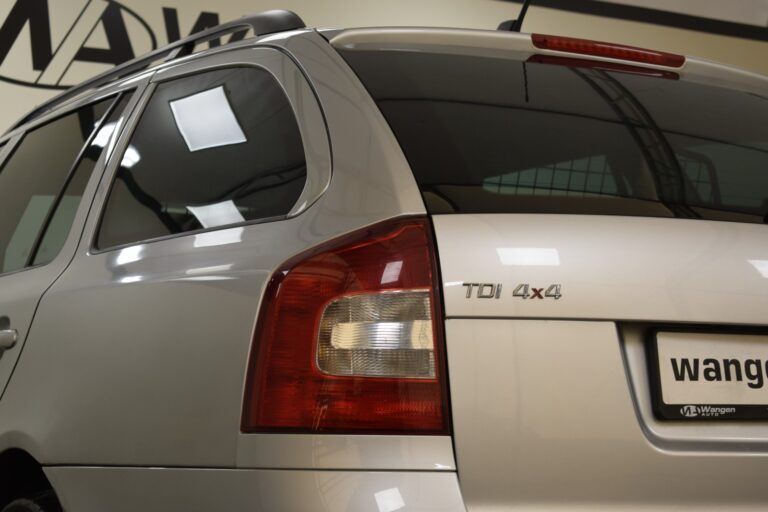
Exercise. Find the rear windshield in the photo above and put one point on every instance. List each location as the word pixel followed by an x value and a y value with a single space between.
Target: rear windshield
pixel 497 135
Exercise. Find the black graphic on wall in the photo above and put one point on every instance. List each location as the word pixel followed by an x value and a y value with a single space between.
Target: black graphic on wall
pixel 51 62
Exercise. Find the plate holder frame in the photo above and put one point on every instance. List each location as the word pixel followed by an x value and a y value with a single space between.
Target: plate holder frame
pixel 674 412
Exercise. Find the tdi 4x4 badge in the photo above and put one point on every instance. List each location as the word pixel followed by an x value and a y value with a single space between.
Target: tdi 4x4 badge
pixel 521 291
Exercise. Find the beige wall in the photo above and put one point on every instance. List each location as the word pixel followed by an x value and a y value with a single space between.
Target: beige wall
pixel 16 99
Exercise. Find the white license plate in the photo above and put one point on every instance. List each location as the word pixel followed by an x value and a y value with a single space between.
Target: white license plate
pixel 711 376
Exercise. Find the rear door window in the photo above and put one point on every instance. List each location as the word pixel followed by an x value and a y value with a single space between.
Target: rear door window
pixel 33 178
pixel 210 150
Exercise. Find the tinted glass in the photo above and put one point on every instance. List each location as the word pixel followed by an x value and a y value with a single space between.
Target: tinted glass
pixel 33 177
pixel 498 135
pixel 211 150
pixel 66 206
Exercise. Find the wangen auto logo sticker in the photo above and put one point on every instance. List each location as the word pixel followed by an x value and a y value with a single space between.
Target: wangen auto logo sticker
pixel 706 411
pixel 121 32
pixel 689 411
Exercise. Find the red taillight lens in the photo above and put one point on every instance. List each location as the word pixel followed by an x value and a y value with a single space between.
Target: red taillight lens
pixel 609 50
pixel 349 339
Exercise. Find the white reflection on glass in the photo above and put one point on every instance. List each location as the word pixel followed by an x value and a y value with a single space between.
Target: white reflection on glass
pixel 391 272
pixel 113 140
pixel 130 279
pixel 130 158
pixel 218 214
pixel 223 237
pixel 102 136
pixel 761 266
pixel 528 256
pixel 129 255
pixel 389 500
pixel 206 120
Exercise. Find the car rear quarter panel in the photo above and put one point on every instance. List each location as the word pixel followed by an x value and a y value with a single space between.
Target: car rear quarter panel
pixel 138 355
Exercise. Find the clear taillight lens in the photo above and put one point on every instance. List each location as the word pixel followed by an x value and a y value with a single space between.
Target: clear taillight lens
pixel 378 335
pixel 349 339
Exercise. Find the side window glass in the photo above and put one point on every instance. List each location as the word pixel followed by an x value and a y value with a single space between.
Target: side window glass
pixel 64 214
pixel 214 149
pixel 33 177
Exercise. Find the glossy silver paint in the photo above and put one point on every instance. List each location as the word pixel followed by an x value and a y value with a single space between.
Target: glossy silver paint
pixel 219 275
pixel 562 399
pixel 175 380
pixel 204 490
pixel 611 268
pixel 143 348
pixel 20 291
pixel 544 419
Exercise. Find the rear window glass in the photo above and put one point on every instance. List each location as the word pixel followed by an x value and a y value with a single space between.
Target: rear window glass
pixel 496 135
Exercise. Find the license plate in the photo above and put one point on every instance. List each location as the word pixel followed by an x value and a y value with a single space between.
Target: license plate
pixel 710 376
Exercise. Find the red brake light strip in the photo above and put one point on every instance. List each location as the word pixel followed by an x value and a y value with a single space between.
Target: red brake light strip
pixel 608 50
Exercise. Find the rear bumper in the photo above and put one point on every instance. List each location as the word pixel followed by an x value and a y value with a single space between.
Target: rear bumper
pixel 96 489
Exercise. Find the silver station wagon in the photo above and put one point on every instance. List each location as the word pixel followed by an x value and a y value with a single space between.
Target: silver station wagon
pixel 376 270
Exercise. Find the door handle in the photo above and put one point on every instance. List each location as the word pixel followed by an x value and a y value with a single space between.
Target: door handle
pixel 8 339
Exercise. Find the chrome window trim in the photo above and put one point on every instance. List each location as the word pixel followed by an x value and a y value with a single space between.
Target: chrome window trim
pixel 115 151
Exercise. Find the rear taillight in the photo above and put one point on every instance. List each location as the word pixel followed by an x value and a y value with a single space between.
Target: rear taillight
pixel 349 339
pixel 608 50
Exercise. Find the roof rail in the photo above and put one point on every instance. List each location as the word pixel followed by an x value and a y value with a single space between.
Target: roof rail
pixel 268 22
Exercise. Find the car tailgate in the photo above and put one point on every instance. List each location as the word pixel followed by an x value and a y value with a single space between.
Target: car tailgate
pixel 550 396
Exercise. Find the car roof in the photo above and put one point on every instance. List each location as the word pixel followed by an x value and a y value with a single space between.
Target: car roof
pixel 519 46
pixel 487 43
